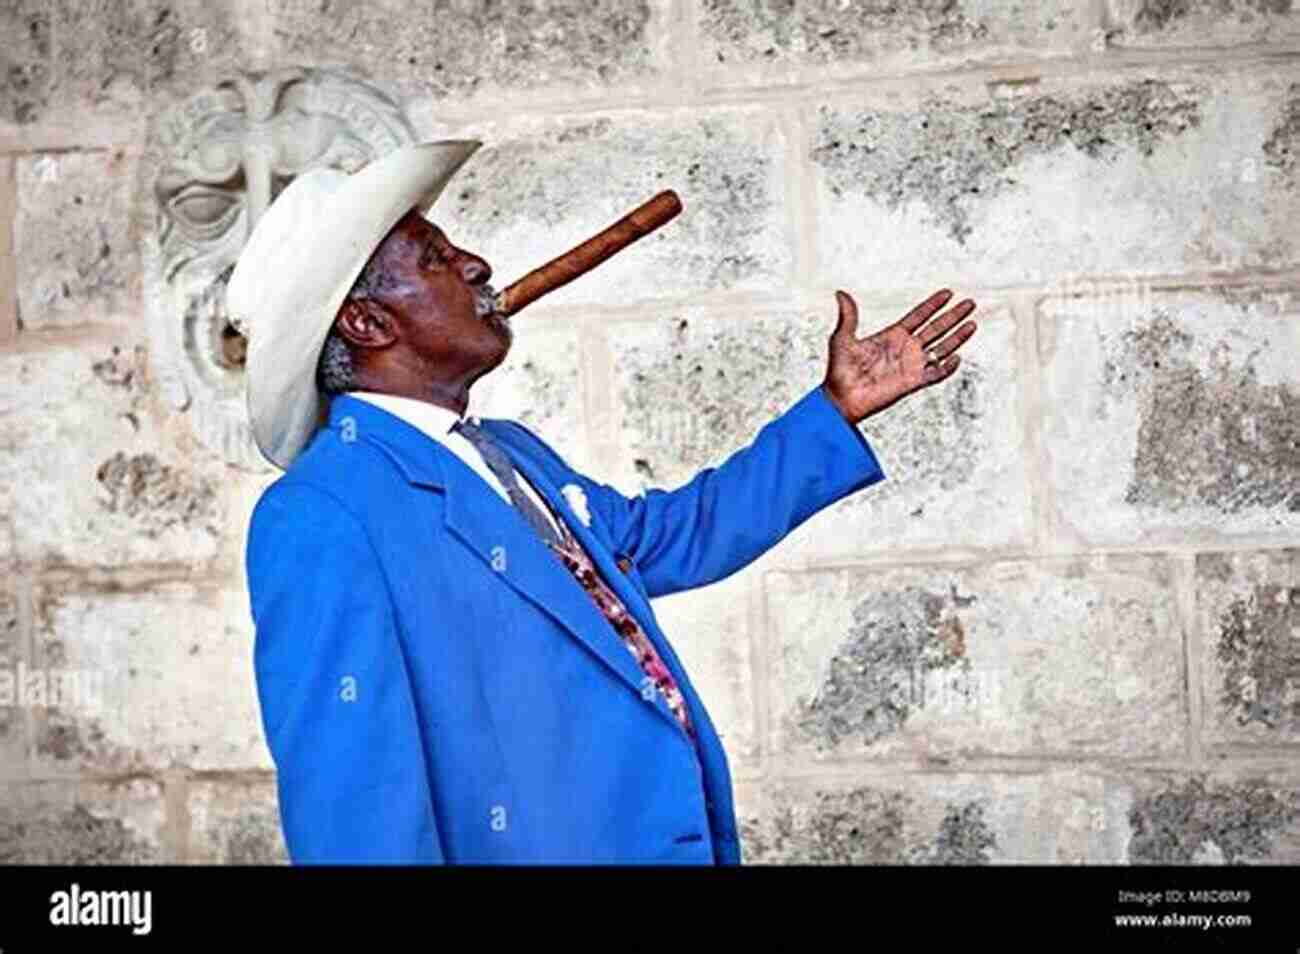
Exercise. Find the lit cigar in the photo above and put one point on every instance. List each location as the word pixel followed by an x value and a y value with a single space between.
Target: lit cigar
pixel 560 271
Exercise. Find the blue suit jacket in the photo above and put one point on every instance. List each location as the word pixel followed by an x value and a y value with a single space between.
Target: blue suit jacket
pixel 436 687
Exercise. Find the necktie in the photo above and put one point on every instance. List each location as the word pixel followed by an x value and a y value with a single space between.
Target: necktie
pixel 499 463
pixel 579 564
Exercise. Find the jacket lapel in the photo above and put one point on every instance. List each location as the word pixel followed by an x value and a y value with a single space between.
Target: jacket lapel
pixel 496 532
pixel 597 549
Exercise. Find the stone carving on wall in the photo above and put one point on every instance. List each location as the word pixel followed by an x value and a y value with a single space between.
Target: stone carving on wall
pixel 216 161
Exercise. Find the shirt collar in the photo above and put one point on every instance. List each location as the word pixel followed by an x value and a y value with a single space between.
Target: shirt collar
pixel 428 418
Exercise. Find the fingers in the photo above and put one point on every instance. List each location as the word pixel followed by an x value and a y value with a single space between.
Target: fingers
pixel 935 373
pixel 921 313
pixel 847 324
pixel 952 342
pixel 940 327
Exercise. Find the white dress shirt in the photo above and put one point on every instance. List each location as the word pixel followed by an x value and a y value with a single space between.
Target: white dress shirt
pixel 437 422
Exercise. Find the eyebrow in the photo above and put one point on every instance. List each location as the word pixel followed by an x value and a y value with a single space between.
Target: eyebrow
pixel 428 249
pixel 431 245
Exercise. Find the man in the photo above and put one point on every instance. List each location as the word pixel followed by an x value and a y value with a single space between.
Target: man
pixel 456 656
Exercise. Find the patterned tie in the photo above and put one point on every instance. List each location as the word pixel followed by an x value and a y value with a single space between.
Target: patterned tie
pixel 577 562
pixel 500 465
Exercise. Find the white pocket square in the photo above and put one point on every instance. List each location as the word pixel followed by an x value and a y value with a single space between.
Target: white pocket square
pixel 578 502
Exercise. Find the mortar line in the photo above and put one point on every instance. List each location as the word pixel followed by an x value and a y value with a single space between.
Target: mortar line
pixel 1091 68
pixel 596 387
pixel 1193 657
pixel 801 209
pixel 9 317
pixel 687 51
pixel 1063 68
pixel 142 577
pixel 852 766
pixel 1031 401
pixel 957 557
pixel 1281 759
pixel 25 595
pixel 176 815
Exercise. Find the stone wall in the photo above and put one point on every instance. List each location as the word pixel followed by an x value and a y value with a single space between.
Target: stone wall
pixel 1066 628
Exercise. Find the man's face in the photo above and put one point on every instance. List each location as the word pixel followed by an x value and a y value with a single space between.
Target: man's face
pixel 438 294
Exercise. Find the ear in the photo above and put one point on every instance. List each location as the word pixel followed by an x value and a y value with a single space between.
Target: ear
pixel 366 324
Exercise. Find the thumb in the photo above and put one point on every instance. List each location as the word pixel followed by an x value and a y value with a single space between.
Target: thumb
pixel 848 319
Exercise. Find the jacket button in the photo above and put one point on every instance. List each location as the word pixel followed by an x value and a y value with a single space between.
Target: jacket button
pixel 624 564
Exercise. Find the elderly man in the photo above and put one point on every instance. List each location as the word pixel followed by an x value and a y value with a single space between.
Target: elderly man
pixel 456 656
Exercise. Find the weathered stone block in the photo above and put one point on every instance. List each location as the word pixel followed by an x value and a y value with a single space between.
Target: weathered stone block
pixel 450 49
pixel 176 665
pixel 1165 24
pixel 1062 658
pixel 1247 818
pixel 1248 605
pixel 77 261
pixel 1198 395
pixel 539 385
pixel 695 387
pixel 1062 817
pixel 710 631
pixel 25 61
pixel 70 823
pixel 538 187
pixel 85 479
pixel 788 41
pixel 118 55
pixel 79 68
pixel 1150 171
pixel 235 823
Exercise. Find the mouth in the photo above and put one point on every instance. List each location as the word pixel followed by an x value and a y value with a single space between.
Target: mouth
pixel 485 301
pixel 485 307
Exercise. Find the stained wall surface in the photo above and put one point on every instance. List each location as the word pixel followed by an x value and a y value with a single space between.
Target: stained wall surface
pixel 1064 629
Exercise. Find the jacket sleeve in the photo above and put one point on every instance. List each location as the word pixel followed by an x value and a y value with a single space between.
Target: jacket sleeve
pixel 728 516
pixel 332 680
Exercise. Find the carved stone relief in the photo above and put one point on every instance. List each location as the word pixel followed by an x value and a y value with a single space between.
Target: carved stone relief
pixel 216 161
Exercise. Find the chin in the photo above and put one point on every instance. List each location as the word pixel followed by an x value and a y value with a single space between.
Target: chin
pixel 502 350
pixel 506 335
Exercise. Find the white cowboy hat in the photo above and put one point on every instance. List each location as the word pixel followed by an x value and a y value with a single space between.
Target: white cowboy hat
pixel 305 253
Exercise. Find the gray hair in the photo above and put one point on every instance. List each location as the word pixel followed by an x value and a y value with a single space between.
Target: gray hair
pixel 335 373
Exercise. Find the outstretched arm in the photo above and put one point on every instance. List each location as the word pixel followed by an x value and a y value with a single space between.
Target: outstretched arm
pixel 808 458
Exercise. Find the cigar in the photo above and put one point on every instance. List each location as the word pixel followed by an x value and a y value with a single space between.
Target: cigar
pixel 638 223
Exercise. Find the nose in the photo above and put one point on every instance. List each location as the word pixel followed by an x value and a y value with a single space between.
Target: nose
pixel 473 269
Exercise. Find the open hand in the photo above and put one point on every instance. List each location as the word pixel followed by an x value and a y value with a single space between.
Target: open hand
pixel 867 375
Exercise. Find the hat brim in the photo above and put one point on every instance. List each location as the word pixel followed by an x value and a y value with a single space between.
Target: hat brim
pixel 339 234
